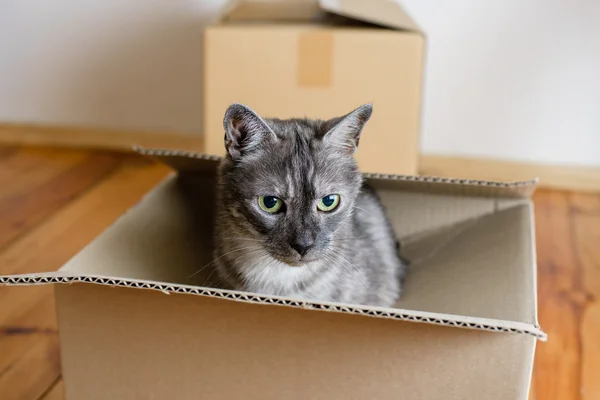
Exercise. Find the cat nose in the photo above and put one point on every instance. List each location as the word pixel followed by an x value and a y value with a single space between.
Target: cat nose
pixel 302 245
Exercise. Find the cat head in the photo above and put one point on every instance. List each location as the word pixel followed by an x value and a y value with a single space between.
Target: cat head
pixel 291 184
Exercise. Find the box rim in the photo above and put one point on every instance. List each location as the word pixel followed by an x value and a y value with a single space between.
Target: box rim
pixel 440 319
pixel 299 24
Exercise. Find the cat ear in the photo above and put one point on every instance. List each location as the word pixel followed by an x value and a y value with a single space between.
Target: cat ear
pixel 244 130
pixel 344 132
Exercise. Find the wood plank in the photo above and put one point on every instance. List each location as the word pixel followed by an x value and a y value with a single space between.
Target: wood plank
pixel 32 375
pixel 562 177
pixel 96 138
pixel 6 151
pixel 27 314
pixel 57 392
pixel 24 325
pixel 28 167
pixel 24 161
pixel 557 360
pixel 585 210
pixel 562 299
pixel 39 193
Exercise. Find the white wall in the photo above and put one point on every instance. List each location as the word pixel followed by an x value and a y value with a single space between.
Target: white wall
pixel 509 80
pixel 111 63
pixel 512 79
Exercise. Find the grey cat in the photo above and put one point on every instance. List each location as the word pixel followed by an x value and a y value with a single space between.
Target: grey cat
pixel 294 215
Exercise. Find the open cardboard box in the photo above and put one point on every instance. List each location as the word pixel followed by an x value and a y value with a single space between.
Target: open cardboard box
pixel 134 325
pixel 323 58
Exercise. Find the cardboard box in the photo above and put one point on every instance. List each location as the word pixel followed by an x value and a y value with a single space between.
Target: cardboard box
pixel 320 59
pixel 133 325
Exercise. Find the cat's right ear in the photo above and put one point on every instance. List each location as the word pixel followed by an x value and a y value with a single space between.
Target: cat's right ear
pixel 344 132
pixel 245 131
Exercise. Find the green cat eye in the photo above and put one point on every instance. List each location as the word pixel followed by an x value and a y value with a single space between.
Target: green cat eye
pixel 270 204
pixel 329 202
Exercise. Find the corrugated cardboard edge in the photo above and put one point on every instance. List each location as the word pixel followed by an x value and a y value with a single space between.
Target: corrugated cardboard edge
pixel 458 321
pixel 529 186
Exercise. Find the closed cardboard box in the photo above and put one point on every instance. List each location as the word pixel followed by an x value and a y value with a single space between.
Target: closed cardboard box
pixel 136 323
pixel 320 59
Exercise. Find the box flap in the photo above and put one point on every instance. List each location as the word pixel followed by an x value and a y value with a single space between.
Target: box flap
pixel 181 160
pixel 383 13
pixel 387 13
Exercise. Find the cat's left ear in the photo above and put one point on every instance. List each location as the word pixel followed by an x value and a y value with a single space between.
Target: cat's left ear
pixel 245 131
pixel 344 132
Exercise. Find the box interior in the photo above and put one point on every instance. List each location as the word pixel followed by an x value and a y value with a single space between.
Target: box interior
pixel 470 246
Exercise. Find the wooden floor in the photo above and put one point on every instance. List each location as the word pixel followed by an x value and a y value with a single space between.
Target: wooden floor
pixel 53 202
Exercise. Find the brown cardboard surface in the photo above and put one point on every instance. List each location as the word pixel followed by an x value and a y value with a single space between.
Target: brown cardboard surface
pixel 315 55
pixel 127 344
pixel 271 65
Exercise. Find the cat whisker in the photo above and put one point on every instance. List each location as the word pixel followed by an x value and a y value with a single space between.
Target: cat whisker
pixel 339 254
pixel 338 262
pixel 264 266
pixel 221 256
pixel 207 280
pixel 238 238
pixel 349 239
pixel 235 262
pixel 361 209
